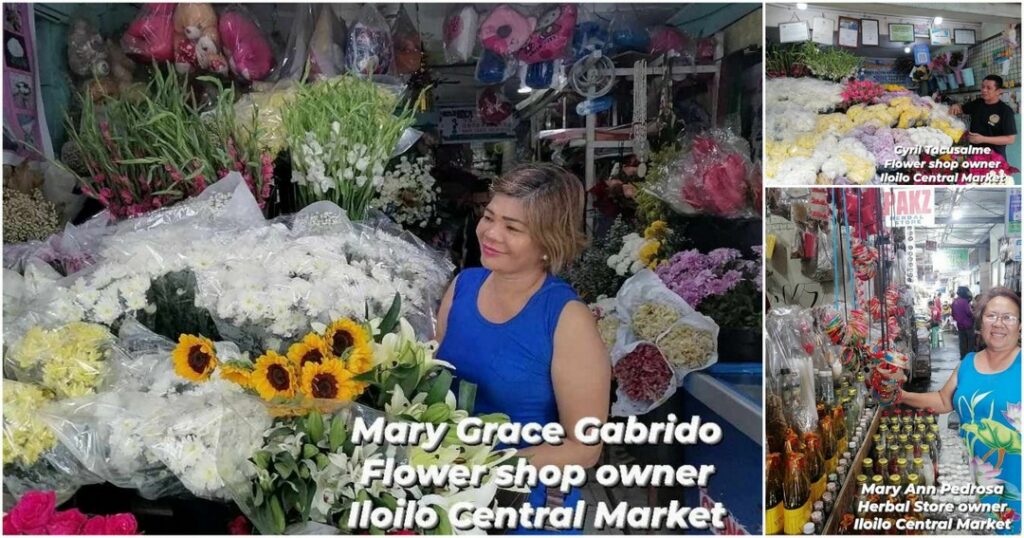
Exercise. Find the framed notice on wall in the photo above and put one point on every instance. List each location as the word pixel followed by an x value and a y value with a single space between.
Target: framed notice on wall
pixel 869 32
pixel 940 36
pixel 822 30
pixel 794 32
pixel 849 32
pixel 901 33
pixel 964 36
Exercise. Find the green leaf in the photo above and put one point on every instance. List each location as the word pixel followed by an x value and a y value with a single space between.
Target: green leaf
pixel 315 426
pixel 258 497
pixel 308 451
pixel 390 321
pixel 444 526
pixel 277 514
pixel 389 501
pixel 284 469
pixel 439 389
pixel 338 434
pixel 467 396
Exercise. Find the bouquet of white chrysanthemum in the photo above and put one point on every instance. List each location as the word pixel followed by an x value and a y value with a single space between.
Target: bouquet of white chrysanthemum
pixel 408 193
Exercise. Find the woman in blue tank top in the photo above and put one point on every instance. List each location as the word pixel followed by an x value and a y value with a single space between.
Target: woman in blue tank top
pixel 521 334
pixel 985 391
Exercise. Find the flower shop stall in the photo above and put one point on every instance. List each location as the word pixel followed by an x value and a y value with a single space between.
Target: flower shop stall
pixel 237 247
pixel 849 100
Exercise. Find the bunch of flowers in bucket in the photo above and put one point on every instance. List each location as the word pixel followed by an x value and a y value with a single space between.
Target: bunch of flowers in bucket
pixel 155 150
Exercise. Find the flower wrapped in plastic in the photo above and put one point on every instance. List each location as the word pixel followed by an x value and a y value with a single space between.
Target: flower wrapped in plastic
pixel 33 457
pixel 712 176
pixel 68 361
pixel 644 378
pixel 408 193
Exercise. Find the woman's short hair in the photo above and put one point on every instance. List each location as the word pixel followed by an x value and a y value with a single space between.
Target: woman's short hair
pixel 963 292
pixel 992 293
pixel 554 200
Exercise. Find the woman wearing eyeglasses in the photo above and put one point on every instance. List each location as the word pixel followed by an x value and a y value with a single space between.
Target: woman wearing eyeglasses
pixel 985 392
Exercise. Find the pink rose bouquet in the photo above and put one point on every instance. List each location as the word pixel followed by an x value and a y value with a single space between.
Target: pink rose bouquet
pixel 36 514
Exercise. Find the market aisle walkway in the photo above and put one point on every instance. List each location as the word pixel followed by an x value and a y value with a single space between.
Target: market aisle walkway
pixel 944 360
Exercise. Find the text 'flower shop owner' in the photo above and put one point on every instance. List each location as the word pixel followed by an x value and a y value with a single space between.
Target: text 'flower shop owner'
pixel 521 334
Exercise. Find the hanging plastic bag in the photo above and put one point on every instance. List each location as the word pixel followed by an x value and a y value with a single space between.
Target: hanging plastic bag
pixel 792 366
pixel 505 30
pixel 370 51
pixel 540 75
pixel 553 34
pixel 590 36
pixel 292 65
pixel 408 44
pixel 492 68
pixel 460 29
pixel 674 42
pixel 150 37
pixel 326 55
pixel 246 47
pixel 627 34
pixel 492 106
pixel 713 177
pixel 706 50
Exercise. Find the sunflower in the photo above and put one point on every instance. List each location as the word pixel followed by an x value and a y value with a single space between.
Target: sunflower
pixel 273 376
pixel 235 374
pixel 346 337
pixel 312 348
pixel 329 381
pixel 194 358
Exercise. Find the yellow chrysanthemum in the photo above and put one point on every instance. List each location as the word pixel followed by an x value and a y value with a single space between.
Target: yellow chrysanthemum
pixel 235 374
pixel 360 360
pixel 329 380
pixel 657 230
pixel 346 337
pixel 194 358
pixel 649 254
pixel 312 348
pixel 273 376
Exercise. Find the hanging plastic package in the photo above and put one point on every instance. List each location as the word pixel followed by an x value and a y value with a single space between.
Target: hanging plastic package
pixel 460 28
pixel 492 68
pixel 540 75
pixel 408 44
pixel 250 56
pixel 504 30
pixel 672 41
pixel 326 55
pixel 293 61
pixel 627 34
pixel 370 50
pixel 706 50
pixel 589 36
pixel 492 106
pixel 150 37
pixel 553 35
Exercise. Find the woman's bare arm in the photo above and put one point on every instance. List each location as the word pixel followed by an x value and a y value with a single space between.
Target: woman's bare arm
pixel 941 401
pixel 581 375
pixel 442 311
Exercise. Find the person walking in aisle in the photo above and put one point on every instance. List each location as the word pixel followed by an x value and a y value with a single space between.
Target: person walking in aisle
pixel 964 320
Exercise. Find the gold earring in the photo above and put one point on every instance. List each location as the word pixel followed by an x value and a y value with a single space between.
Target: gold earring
pixel 544 257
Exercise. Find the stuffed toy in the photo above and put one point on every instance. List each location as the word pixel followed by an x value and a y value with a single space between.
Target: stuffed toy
pixel 196 39
pixel 492 106
pixel 150 37
pixel 460 28
pixel 247 49
pixel 87 56
pixel 121 66
pixel 553 35
pixel 504 30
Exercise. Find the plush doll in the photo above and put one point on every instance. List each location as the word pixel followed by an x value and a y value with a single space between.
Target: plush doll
pixel 554 33
pixel 247 49
pixel 504 30
pixel 196 39
pixel 87 56
pixel 121 66
pixel 150 37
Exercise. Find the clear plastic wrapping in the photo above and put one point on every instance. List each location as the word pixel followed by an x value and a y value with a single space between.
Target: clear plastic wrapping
pixel 712 176
pixel 649 312
pixel 407 43
pixel 460 28
pixel 326 46
pixel 68 360
pixel 644 377
pixel 150 37
pixel 34 459
pixel 292 64
pixel 370 51
pixel 791 366
pixel 248 51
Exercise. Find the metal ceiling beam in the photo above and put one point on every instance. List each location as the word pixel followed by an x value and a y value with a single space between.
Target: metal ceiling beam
pixel 970 220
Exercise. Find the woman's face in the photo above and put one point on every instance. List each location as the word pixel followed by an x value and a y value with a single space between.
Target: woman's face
pixel 505 243
pixel 999 331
